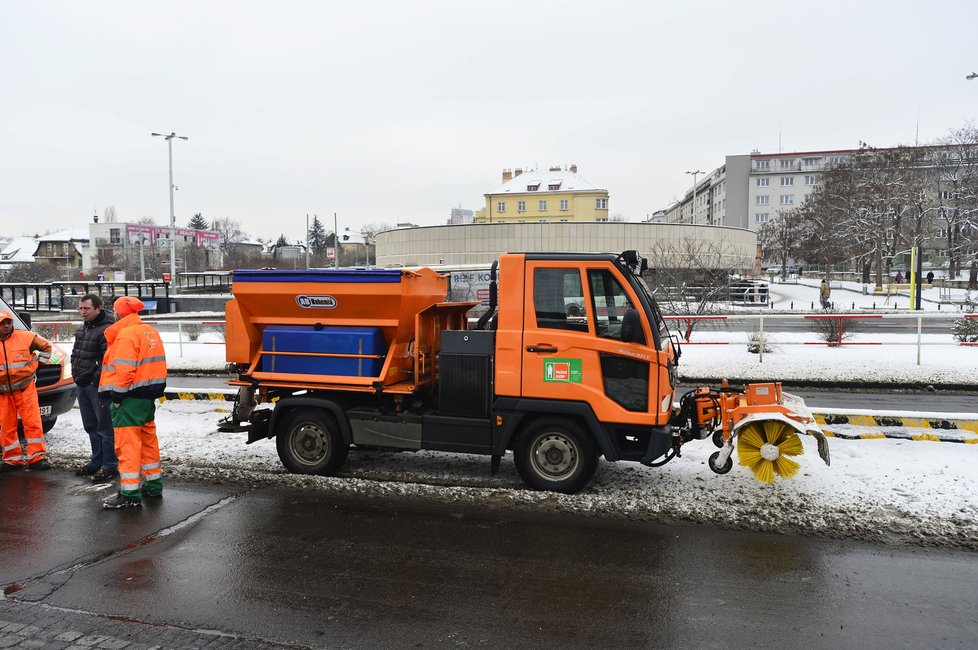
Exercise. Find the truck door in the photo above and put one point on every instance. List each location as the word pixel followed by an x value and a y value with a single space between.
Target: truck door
pixel 572 348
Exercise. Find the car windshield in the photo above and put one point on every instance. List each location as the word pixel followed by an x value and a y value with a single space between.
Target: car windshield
pixel 18 325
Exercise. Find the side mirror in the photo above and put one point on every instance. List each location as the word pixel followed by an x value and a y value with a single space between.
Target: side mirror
pixel 24 316
pixel 631 327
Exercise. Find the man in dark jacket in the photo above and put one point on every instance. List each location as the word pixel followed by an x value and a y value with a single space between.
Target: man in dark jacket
pixel 86 368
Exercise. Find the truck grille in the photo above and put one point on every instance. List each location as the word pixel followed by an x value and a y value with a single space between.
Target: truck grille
pixel 48 375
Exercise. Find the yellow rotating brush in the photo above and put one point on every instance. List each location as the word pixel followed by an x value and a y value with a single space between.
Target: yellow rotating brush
pixel 764 447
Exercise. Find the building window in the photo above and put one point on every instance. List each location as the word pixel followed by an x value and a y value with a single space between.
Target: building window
pixel 533 188
pixel 787 199
pixel 601 204
pixel 761 217
pixel 808 197
pixel 810 163
pixel 114 237
pixel 521 206
pixel 563 205
pixel 554 185
pixel 64 249
pixel 947 195
pixel 787 163
pixel 501 207
pixel 763 182
pixel 762 200
pixel 542 206
pixel 810 180
pixel 787 180
pixel 762 164
pixel 49 247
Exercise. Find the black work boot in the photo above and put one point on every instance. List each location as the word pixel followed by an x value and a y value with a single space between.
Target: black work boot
pixel 120 500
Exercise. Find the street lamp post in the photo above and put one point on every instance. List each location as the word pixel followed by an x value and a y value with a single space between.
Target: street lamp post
pixel 692 212
pixel 173 220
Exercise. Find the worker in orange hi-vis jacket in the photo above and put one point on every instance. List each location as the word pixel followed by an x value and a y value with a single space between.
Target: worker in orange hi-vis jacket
pixel 133 377
pixel 21 351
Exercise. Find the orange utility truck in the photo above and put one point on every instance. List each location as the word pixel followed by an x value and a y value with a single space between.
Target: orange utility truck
pixel 572 361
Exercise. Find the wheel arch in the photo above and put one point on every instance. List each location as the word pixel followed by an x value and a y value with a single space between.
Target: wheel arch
pixel 520 413
pixel 286 405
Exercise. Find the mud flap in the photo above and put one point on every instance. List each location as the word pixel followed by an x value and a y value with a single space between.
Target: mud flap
pixel 823 444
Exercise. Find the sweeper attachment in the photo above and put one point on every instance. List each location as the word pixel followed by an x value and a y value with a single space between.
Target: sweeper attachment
pixel 764 421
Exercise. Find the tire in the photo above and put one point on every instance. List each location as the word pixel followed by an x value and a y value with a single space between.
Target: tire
pixel 48 423
pixel 309 442
pixel 727 466
pixel 555 454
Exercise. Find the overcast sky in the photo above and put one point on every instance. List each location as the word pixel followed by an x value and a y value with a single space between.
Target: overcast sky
pixel 386 112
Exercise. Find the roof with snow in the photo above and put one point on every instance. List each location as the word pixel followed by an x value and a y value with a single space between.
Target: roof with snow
pixel 550 180
pixel 350 237
pixel 19 250
pixel 65 235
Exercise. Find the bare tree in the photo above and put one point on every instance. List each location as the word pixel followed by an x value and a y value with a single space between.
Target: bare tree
pixel 34 272
pixel 957 194
pixel 229 234
pixel 782 238
pixel 691 276
pixel 109 216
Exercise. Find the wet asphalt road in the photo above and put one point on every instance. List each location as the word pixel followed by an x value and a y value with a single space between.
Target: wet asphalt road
pixel 310 569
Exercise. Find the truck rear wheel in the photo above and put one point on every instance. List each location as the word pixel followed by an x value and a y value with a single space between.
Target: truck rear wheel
pixel 309 442
pixel 556 455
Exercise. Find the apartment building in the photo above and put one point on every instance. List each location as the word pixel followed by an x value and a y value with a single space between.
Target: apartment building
pixel 557 194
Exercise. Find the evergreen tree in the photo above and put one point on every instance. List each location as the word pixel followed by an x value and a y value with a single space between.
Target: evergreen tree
pixel 282 241
pixel 316 239
pixel 198 222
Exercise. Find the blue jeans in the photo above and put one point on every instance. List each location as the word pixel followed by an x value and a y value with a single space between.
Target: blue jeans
pixel 98 424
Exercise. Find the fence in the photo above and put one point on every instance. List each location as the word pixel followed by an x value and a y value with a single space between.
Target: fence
pixel 917 319
pixel 186 334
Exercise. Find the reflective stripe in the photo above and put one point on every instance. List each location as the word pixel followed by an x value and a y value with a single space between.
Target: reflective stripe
pixel 14 460
pixel 152 360
pixel 153 477
pixel 4 388
pixel 151 465
pixel 35 441
pixel 110 388
pixel 148 382
pixel 128 476
pixel 16 445
pixel 107 366
pixel 125 362
pixel 34 455
pixel 12 366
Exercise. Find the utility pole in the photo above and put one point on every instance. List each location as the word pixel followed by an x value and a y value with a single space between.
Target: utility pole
pixel 336 243
pixel 307 240
pixel 692 213
pixel 173 220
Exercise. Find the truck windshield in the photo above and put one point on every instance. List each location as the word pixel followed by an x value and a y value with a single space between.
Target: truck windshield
pixel 658 322
pixel 18 325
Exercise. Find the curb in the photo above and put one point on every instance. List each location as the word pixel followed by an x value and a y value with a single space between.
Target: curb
pixel 217 396
pixel 893 427
pixel 898 428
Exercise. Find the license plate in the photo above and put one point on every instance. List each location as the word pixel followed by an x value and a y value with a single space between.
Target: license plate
pixel 46 410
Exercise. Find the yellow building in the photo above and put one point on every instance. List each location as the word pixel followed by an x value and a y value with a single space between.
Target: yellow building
pixel 555 194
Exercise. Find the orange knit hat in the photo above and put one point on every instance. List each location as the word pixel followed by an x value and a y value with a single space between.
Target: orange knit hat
pixel 127 305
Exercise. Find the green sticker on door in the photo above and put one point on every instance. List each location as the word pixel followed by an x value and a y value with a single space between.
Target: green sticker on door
pixel 562 370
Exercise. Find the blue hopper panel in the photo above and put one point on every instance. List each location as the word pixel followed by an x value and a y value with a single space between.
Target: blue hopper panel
pixel 325 340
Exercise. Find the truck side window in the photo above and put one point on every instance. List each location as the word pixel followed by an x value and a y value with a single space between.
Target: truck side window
pixel 610 302
pixel 558 298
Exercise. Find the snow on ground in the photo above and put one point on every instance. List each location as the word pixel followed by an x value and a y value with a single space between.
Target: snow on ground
pixel 893 491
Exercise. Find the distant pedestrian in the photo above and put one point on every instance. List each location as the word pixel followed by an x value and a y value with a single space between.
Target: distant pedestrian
pixel 21 352
pixel 824 292
pixel 930 277
pixel 133 377
pixel 899 277
pixel 86 370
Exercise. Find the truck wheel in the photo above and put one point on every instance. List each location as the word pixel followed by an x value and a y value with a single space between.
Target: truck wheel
pixel 555 454
pixel 309 442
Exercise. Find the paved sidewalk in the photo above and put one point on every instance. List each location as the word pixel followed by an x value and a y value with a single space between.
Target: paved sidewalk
pixel 28 625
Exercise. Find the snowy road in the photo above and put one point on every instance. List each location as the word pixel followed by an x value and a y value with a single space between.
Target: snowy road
pixel 894 491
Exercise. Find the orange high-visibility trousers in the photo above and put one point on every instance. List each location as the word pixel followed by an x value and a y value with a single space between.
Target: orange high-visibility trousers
pixel 138 451
pixel 25 403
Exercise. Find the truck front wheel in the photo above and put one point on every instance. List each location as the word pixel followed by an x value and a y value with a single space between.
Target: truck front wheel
pixel 556 455
pixel 309 442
